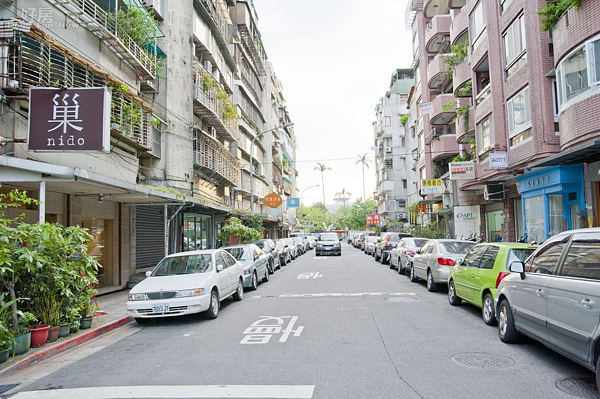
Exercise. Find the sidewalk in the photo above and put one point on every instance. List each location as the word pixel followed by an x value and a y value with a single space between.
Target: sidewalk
pixel 112 304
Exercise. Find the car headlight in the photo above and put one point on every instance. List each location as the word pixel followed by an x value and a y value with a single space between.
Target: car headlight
pixel 337 244
pixel 319 245
pixel 138 297
pixel 246 271
pixel 188 293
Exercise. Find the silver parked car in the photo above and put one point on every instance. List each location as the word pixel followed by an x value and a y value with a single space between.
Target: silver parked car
pixel 435 259
pixel 554 297
pixel 293 247
pixel 311 242
pixel 403 252
pixel 370 244
pixel 185 283
pixel 254 261
pixel 299 242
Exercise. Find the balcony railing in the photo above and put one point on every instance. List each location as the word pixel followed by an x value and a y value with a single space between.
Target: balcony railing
pixel 129 121
pixel 484 94
pixel 214 161
pixel 207 104
pixel 433 135
pixel 104 25
pixel 261 189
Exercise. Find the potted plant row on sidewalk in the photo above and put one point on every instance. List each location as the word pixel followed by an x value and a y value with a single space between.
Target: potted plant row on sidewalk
pixel 46 279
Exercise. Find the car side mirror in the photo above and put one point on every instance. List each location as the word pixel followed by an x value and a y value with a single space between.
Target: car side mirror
pixel 148 274
pixel 219 268
pixel 517 267
pixel 459 262
pixel 256 257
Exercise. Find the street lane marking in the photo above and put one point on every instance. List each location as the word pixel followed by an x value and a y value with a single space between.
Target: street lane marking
pixel 260 332
pixel 305 276
pixel 336 295
pixel 175 392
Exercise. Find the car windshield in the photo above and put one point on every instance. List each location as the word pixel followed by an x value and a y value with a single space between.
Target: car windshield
pixel 298 240
pixel 516 254
pixel 417 242
pixel 372 239
pixel 188 264
pixel 311 238
pixel 240 253
pixel 329 237
pixel 279 245
pixel 456 247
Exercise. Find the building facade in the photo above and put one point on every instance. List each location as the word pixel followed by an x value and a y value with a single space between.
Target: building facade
pixel 492 87
pixel 187 98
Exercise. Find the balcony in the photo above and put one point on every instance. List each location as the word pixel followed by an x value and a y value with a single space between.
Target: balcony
pixel 211 104
pixel 103 24
pixel 465 132
pixel 439 115
pixel 457 3
pixel 444 148
pixel 213 161
pixel 434 8
pixel 130 123
pixel 461 74
pixel 459 29
pixel 261 188
pixel 436 72
pixel 437 34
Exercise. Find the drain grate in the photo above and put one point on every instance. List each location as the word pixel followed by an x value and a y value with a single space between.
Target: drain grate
pixel 401 299
pixel 483 360
pixel 580 387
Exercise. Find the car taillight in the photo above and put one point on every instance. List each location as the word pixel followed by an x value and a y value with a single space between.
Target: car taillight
pixel 446 262
pixel 501 275
pixel 411 253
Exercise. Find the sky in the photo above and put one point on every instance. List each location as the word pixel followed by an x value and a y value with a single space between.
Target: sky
pixel 334 60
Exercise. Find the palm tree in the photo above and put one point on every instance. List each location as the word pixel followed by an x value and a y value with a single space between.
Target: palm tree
pixel 342 194
pixel 362 159
pixel 322 168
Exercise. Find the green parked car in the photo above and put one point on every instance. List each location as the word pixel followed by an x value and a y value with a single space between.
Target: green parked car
pixel 476 278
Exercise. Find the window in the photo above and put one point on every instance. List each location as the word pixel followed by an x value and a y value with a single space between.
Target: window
pixel 404 184
pixel 421 142
pixel 579 71
pixel 403 162
pixel 489 258
pixel 474 256
pixel 415 45
pixel 477 22
pixel 402 142
pixel 484 135
pixel 558 223
pixel 534 219
pixel 504 4
pixel 582 258
pixel 388 121
pixel 417 77
pixel 519 113
pixel 546 259
pixel 514 46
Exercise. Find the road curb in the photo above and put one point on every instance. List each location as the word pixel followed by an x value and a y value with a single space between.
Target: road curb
pixel 62 346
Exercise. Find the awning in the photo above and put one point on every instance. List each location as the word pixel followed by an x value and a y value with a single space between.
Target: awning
pixel 585 153
pixel 430 201
pixel 444 211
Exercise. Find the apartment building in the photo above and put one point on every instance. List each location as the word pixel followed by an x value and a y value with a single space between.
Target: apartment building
pixel 393 160
pixel 174 109
pixel 492 87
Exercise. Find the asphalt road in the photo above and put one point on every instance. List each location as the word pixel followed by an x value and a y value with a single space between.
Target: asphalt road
pixel 322 327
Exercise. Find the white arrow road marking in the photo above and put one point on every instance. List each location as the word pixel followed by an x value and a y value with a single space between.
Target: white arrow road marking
pixel 175 392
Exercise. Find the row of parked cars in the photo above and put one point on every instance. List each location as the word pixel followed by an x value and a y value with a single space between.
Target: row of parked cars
pixel 549 292
pixel 198 281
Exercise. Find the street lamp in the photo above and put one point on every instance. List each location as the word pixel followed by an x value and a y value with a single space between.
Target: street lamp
pixel 252 163
pixel 302 194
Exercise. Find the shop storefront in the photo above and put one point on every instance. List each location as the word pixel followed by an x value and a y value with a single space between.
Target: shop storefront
pixel 494 222
pixel 552 200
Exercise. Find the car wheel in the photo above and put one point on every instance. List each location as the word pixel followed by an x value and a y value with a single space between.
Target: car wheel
pixel 452 298
pixel 413 278
pixel 271 266
pixel 239 293
pixel 506 324
pixel 431 285
pixel 140 320
pixel 254 285
pixel 487 310
pixel 213 308
pixel 400 268
pixel 266 277
pixel 376 257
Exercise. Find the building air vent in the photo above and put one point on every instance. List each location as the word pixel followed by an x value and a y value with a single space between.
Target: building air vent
pixel 388 149
pixel 493 192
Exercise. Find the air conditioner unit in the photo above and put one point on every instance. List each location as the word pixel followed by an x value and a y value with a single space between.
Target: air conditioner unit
pixel 388 149
pixel 494 192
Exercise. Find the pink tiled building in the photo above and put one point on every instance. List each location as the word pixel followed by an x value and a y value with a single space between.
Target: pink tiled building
pixel 522 104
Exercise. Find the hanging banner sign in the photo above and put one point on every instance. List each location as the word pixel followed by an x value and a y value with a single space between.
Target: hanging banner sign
pixel 273 200
pixel 293 202
pixel 431 186
pixel 373 220
pixel 498 160
pixel 462 170
pixel 425 108
pixel 74 120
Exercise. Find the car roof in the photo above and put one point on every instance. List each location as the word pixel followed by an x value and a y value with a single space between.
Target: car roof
pixel 197 252
pixel 509 245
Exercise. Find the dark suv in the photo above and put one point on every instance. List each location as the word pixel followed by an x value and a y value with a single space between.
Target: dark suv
pixel 385 245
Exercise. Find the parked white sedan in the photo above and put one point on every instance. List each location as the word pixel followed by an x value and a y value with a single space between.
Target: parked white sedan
pixel 435 259
pixel 185 283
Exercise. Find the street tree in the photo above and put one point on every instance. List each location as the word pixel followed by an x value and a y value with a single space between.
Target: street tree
pixel 363 161
pixel 322 168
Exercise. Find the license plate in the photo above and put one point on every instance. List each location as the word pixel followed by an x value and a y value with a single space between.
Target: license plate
pixel 164 308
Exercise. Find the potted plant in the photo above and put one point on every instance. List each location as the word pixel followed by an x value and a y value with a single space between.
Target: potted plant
pixel 74 317
pixel 23 336
pixel 39 332
pixel 48 309
pixel 7 340
pixel 86 320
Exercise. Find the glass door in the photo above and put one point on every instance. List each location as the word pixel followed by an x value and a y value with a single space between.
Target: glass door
pixel 196 232
pixel 534 219
pixel 556 215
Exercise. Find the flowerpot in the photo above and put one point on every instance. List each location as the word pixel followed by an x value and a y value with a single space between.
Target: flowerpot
pixel 53 333
pixel 64 330
pixel 75 325
pixel 22 343
pixel 4 355
pixel 85 323
pixel 39 335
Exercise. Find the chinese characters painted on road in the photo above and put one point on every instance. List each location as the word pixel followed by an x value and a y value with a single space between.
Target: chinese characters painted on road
pixel 261 331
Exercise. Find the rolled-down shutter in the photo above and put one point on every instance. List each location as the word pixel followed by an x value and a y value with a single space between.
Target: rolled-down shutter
pixel 150 236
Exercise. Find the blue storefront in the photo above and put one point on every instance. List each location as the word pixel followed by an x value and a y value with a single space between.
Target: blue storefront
pixel 552 199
